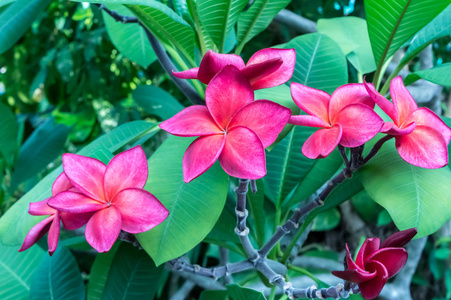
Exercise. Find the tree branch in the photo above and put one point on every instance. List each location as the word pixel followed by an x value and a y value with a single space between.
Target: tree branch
pixel 295 21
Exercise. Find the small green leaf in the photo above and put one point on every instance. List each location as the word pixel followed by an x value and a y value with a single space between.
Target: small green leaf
pixel 237 292
pixel 383 218
pixel 326 220
pixel 156 101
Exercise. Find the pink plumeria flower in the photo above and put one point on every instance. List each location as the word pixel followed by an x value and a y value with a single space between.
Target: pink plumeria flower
pixel 232 127
pixel 113 193
pixel 376 263
pixel 422 138
pixel 346 118
pixel 51 224
pixel 266 68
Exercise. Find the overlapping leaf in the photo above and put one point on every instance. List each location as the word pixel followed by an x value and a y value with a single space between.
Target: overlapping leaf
pixel 156 101
pixel 440 74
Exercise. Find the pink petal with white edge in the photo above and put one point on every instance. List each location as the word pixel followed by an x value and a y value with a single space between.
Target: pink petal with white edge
pixel 323 142
pixel 307 120
pixel 369 246
pixel 258 72
pixel 212 63
pixel 201 155
pixel 383 103
pixel 36 232
pixel 188 74
pixel 391 129
pixel 372 288
pixel 243 155
pixel 61 184
pixel 40 208
pixel 359 124
pixel 280 75
pixel 195 120
pixel 265 118
pixel 74 221
pixel 354 275
pixel 426 117
pixel 54 233
pixel 402 99
pixel 392 258
pixel 353 93
pixel 312 101
pixel 140 210
pixel 103 228
pixel 75 203
pixel 86 174
pixel 227 93
pixel 425 147
pixel 126 170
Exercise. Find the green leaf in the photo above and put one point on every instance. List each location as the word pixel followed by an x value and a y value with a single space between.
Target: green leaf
pixel 413 196
pixel 16 270
pixel 257 18
pixel 5 2
pixel 57 277
pixel 256 206
pixel 326 220
pixel 193 207
pixel 8 134
pixel 365 207
pixel 99 272
pixel 213 295
pixel 237 292
pixel 205 41
pixel 16 222
pixel 440 74
pixel 383 218
pixel 156 101
pixel 351 34
pixel 392 22
pixel 16 19
pixel 129 39
pixel 320 63
pixel 40 149
pixel 219 18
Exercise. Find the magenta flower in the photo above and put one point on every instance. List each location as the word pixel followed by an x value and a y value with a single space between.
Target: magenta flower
pixel 52 223
pixel 232 127
pixel 114 194
pixel 346 118
pixel 376 263
pixel 422 138
pixel 266 68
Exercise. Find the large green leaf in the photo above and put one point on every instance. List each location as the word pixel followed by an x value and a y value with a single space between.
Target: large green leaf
pixel 414 197
pixel 4 2
pixel 351 34
pixel 156 101
pixel 237 292
pixel 16 222
pixel 129 39
pixel 320 63
pixel 16 19
pixel 193 207
pixel 40 149
pixel 57 277
pixel 257 18
pixel 440 74
pixel 205 41
pixel 8 134
pixel 392 22
pixel 16 270
pixel 219 18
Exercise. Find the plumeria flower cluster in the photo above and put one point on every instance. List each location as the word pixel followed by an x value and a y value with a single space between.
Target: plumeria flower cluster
pixel 107 198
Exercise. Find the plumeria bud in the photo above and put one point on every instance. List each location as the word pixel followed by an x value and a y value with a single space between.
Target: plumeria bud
pixel 400 238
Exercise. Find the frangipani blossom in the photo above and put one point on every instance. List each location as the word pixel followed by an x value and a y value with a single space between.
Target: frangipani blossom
pixel 51 224
pixel 266 68
pixel 422 138
pixel 376 263
pixel 232 127
pixel 346 118
pixel 114 194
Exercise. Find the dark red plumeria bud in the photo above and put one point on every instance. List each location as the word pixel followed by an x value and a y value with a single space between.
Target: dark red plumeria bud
pixel 376 263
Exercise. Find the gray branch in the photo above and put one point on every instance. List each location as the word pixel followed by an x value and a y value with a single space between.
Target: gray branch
pixel 295 21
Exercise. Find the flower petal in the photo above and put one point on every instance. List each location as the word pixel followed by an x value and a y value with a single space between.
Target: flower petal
pixel 36 232
pixel 212 63
pixel 372 288
pixel 425 116
pixel 353 93
pixel 402 99
pixel 75 203
pixel 201 155
pixel 369 246
pixel 384 104
pixel 103 228
pixel 126 170
pixel 74 221
pixel 279 76
pixel 54 233
pixel 393 259
pixel 400 238
pixel 322 142
pixel 391 129
pixel 188 74
pixel 61 184
pixel 195 120
pixel 86 174
pixel 40 208
pixel 359 124
pixel 140 210
pixel 243 155
pixel 265 118
pixel 351 264
pixel 257 73
pixel 354 275
pixel 226 94
pixel 307 120
pixel 312 101
pixel 425 147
